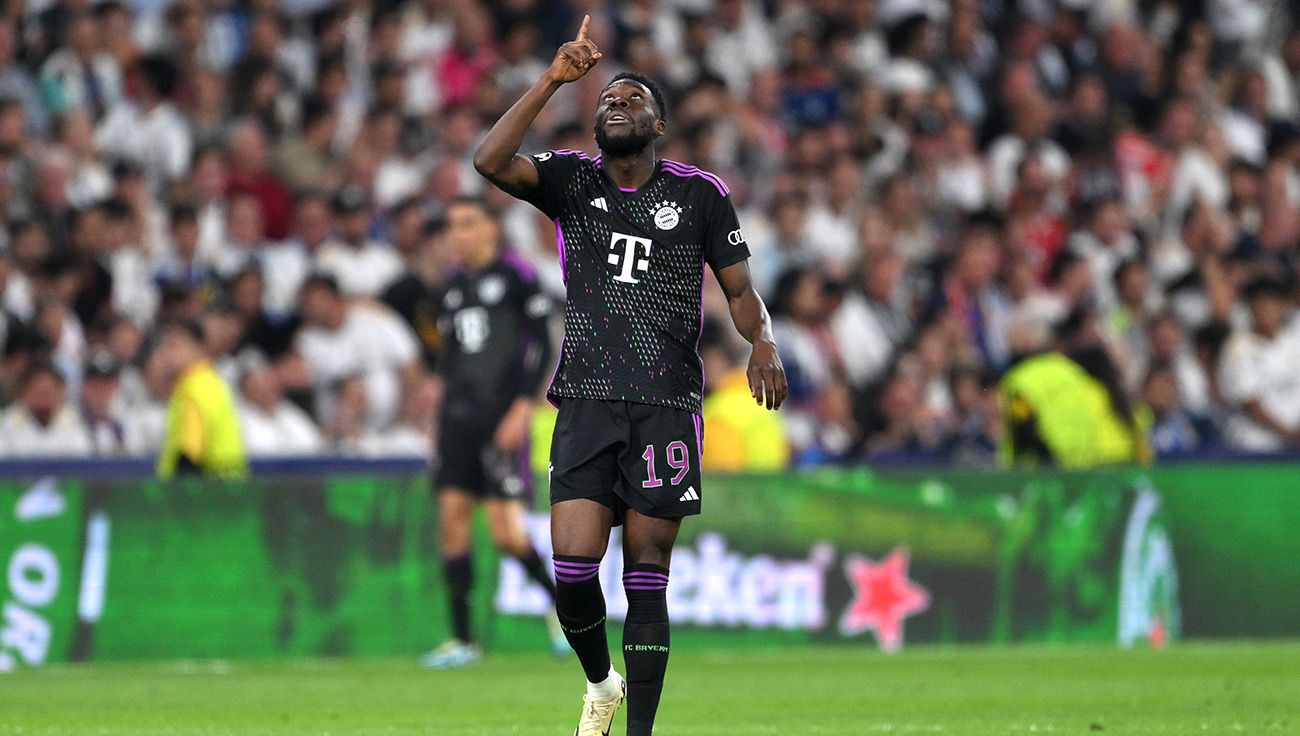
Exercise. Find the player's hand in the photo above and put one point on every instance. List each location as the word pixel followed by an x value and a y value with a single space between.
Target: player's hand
pixel 574 58
pixel 766 375
pixel 513 428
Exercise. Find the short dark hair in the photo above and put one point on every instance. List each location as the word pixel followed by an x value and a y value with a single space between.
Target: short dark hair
pixel 314 109
pixel 188 327
pixel 105 8
pixel 41 366
pixel 1126 265
pixel 182 212
pixel 473 201
pixel 161 74
pixel 1265 286
pixel 116 208
pixel 661 102
pixel 324 281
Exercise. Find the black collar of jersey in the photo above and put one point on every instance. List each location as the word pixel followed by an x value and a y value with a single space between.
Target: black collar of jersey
pixel 654 176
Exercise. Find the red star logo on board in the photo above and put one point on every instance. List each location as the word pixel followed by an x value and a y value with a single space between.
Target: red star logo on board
pixel 1159 635
pixel 882 598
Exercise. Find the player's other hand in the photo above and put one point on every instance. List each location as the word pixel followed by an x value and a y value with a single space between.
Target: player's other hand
pixel 513 428
pixel 766 375
pixel 574 58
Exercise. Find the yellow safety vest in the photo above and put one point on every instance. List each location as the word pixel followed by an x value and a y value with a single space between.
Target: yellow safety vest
pixel 740 434
pixel 203 426
pixel 1056 400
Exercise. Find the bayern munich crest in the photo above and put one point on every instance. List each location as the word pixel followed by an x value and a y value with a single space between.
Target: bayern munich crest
pixel 667 215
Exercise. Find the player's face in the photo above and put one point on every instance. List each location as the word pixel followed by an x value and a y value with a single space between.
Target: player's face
pixel 470 231
pixel 626 119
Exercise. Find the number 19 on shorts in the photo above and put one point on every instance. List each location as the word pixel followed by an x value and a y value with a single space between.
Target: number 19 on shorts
pixel 677 458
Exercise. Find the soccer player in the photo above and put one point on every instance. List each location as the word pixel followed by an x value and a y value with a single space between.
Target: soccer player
pixel 634 233
pixel 496 361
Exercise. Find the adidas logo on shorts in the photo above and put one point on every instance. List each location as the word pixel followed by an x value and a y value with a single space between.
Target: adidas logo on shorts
pixel 690 494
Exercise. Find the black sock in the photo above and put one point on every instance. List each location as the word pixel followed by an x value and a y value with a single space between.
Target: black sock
pixel 536 570
pixel 580 606
pixel 645 644
pixel 459 572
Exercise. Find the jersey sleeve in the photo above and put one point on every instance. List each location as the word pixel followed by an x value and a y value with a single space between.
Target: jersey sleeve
pixel 724 243
pixel 555 169
pixel 446 326
pixel 539 353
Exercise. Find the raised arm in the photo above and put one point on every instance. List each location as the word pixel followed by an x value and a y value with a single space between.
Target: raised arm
pixel 498 157
pixel 766 374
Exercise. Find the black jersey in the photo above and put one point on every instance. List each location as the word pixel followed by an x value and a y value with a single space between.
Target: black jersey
pixel 633 264
pixel 497 348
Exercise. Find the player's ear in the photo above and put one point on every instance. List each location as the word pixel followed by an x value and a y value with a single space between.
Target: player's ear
pixel 660 127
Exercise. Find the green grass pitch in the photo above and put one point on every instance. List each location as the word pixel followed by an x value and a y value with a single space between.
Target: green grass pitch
pixel 1193 688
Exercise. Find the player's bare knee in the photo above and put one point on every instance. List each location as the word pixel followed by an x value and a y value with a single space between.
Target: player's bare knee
pixel 649 540
pixel 580 528
pixel 455 545
pixel 454 530
pixel 650 556
pixel 509 541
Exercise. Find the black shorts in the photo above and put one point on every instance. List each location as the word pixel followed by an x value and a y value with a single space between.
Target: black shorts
pixel 468 459
pixel 627 455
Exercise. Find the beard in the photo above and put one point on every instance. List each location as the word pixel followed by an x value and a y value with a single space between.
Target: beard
pixel 634 140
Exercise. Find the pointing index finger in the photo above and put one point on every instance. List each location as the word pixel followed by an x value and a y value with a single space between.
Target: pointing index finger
pixel 582 32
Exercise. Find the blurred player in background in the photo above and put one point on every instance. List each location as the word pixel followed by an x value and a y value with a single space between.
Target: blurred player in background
pixel 634 233
pixel 494 366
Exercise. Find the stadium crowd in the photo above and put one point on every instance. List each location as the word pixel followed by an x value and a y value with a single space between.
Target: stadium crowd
pixel 931 191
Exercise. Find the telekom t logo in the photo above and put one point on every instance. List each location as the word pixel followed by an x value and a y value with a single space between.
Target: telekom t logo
pixel 628 256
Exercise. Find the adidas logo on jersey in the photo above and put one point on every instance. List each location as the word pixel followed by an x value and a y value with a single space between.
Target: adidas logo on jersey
pixel 690 494
pixel 599 203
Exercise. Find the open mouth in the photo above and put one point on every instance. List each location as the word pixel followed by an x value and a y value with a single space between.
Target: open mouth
pixel 617 118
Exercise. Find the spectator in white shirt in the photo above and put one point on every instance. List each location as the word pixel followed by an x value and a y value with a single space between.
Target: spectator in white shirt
pixel 63 334
pixel 788 246
pixel 873 320
pixel 89 180
pixel 244 240
pixel 112 429
pixel 206 184
pixel 360 265
pixel 134 295
pixel 832 222
pixel 41 423
pixel 181 263
pixel 410 436
pixel 1169 346
pixel 80 74
pixel 344 423
pixel 1105 243
pixel 272 425
pixel 286 264
pixel 1031 121
pixel 1258 373
pixel 342 340
pixel 150 132
pixel 398 175
pixel 740 45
